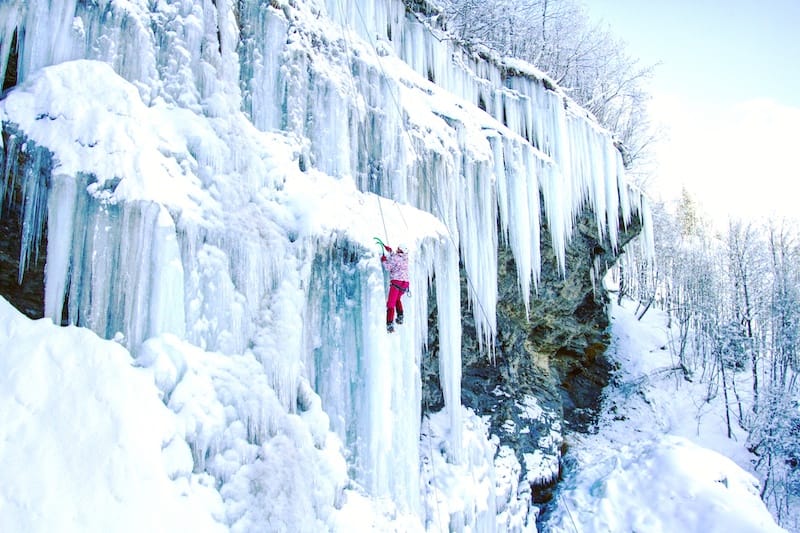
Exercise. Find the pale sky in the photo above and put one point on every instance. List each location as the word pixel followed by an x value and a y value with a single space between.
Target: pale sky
pixel 728 92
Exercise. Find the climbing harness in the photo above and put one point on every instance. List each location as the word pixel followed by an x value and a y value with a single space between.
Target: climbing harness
pixel 404 290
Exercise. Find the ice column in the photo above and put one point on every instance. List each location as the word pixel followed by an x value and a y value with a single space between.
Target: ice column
pixel 368 380
pixel 120 264
pixel 167 313
pixel 448 302
pixel 263 84
pixel 477 223
pixel 46 39
pixel 60 214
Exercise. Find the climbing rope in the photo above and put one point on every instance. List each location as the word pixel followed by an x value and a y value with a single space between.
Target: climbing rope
pixel 437 203
pixel 401 214
pixel 380 208
pixel 425 405
pixel 569 513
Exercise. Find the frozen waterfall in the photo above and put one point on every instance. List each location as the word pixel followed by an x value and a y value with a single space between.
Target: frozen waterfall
pixel 209 176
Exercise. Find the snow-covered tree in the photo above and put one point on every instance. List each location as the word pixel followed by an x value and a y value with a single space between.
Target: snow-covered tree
pixel 581 57
pixel 747 278
pixel 775 439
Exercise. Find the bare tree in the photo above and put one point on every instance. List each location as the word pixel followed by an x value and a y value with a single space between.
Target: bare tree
pixel 785 303
pixel 746 276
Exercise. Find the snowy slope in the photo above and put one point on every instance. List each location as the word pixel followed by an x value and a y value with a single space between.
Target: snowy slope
pixel 660 460
pixel 118 459
pixel 86 444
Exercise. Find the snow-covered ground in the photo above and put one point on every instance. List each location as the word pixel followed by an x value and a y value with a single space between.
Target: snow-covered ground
pixel 660 460
pixel 87 444
pixel 95 440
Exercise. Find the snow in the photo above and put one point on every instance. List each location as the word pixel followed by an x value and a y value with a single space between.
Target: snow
pixel 458 492
pixel 85 443
pixel 118 459
pixel 209 177
pixel 179 438
pixel 668 484
pixel 660 459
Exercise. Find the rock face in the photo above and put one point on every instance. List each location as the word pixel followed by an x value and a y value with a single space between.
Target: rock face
pixel 27 296
pixel 554 357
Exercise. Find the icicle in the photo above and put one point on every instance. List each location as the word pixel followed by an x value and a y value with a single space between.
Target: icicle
pixel 503 186
pixel 648 242
pixel 135 270
pixel 11 14
pixel 448 302
pixel 166 309
pixel 35 174
pixel 623 190
pixel 477 223
pixel 60 216
pixel 613 193
pixel 94 294
pixel 45 37
pixel 534 167
pixel 554 205
pixel 520 229
pixel 263 41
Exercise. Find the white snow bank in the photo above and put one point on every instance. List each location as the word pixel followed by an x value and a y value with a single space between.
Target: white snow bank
pixel 653 396
pixel 87 445
pixel 103 128
pixel 660 460
pixel 484 491
pixel 361 513
pixel 276 471
pixel 664 485
pixel 82 437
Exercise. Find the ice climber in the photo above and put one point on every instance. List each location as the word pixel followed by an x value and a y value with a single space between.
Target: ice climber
pixel 397 265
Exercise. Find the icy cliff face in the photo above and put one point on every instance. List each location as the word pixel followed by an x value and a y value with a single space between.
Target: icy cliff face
pixel 215 171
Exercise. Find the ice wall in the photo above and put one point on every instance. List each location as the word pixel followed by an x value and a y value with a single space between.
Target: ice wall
pixel 217 170
pixel 588 167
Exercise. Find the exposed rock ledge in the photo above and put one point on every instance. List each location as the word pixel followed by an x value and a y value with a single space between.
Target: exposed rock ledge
pixel 553 360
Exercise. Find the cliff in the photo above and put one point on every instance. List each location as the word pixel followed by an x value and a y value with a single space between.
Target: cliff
pixel 207 178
